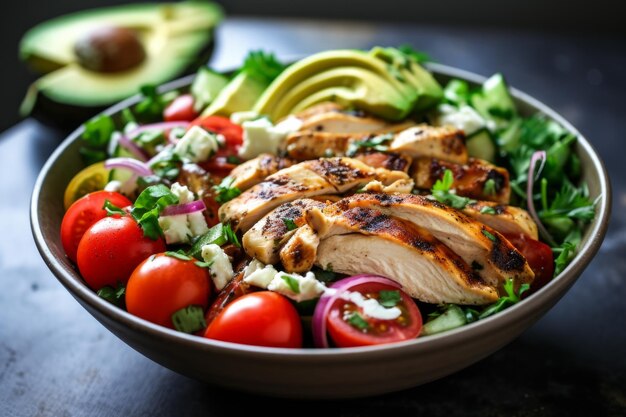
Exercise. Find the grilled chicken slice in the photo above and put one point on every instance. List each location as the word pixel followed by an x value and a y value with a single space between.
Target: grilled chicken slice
pixel 398 187
pixel 480 246
pixel 445 143
pixel 505 219
pixel 344 122
pixel 255 170
pixel 265 239
pixel 361 240
pixel 325 107
pixel 469 179
pixel 298 254
pixel 303 180
pixel 389 160
pixel 309 144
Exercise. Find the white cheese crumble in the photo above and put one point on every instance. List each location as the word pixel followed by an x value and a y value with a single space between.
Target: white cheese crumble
pixel 261 136
pixel 221 269
pixel 197 145
pixel 113 186
pixel 297 287
pixel 258 274
pixel 464 118
pixel 371 307
pixel 239 117
pixel 181 228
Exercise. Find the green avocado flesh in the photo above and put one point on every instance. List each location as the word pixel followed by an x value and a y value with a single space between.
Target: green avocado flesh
pixel 240 94
pixel 377 82
pixel 173 35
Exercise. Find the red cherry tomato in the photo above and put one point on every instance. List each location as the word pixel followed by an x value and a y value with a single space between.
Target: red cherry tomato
pixel 233 133
pixel 218 166
pixel 346 330
pixel 261 318
pixel 181 109
pixel 82 214
pixel 538 255
pixel 111 249
pixel 161 285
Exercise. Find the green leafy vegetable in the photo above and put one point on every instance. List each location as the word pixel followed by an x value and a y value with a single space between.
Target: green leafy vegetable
pixel 489 235
pixel 150 108
pixel 389 298
pixel 189 319
pixel 166 165
pixel 324 276
pixel 115 296
pixel 490 187
pixel 356 320
pixel 290 224
pixel 376 143
pixel 292 283
pixel 505 301
pixel 179 254
pixel 262 66
pixel 202 264
pixel 231 236
pixel 225 190
pixel 96 137
pixel 216 236
pixel 444 194
pixel 457 92
pixel 417 56
pixel 487 210
pixel 112 209
pixel 149 205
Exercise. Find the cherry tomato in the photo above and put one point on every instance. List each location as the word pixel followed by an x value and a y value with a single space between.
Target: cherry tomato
pixel 161 285
pixel 181 109
pixel 261 318
pixel 218 166
pixel 538 255
pixel 82 214
pixel 348 326
pixel 233 133
pixel 111 249
pixel 90 179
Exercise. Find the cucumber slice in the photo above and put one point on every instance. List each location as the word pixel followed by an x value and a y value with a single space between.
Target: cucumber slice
pixel 452 318
pixel 481 145
pixel 494 102
pixel 457 92
pixel 206 86
pixel 508 139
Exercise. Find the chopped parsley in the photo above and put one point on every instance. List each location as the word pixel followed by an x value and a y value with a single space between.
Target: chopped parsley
pixel 292 283
pixel 508 300
pixel 149 205
pixel 262 66
pixel 115 296
pixel 290 224
pixel 189 319
pixel 487 210
pixel 357 320
pixel 444 194
pixel 489 235
pixel 389 298
pixel 231 236
pixel 225 191
pixel 150 108
pixel 376 143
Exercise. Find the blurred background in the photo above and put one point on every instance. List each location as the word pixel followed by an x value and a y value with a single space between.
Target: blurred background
pixel 557 17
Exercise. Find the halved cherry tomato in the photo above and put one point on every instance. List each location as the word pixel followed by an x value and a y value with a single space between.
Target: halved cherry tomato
pixel 261 318
pixel 233 133
pixel 538 255
pixel 82 214
pixel 180 109
pixel 111 249
pixel 348 326
pixel 161 285
pixel 218 166
pixel 90 179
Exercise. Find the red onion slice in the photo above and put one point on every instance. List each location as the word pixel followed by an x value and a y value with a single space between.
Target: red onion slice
pixel 185 208
pixel 125 142
pixel 537 156
pixel 131 164
pixel 318 323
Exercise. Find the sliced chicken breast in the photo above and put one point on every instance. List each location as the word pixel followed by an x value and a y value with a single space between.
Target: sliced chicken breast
pixel 505 219
pixel 445 143
pixel 255 170
pixel 361 240
pixel 344 122
pixel 309 144
pixel 303 180
pixel 265 239
pixel 298 254
pixel 389 160
pixel 469 179
pixel 488 253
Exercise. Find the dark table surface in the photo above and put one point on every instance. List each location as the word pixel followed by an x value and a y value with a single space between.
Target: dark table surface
pixel 56 360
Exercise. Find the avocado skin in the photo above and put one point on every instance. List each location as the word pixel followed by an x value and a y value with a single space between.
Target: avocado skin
pixel 67 116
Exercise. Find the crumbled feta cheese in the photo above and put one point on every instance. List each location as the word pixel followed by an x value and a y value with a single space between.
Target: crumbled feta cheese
pixel 308 287
pixel 261 136
pixel 258 274
pixel 221 268
pixel 114 186
pixel 182 228
pixel 464 118
pixel 239 117
pixel 371 307
pixel 197 145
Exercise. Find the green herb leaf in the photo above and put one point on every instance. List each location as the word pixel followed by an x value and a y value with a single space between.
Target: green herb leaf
pixel 150 108
pixel 189 319
pixel 231 236
pixel 489 235
pixel 324 276
pixel 375 143
pixel 216 236
pixel 442 192
pixel 112 209
pixel 115 296
pixel 179 254
pixel 202 264
pixel 149 205
pixel 167 164
pixel 225 190
pixel 415 55
pixel 293 283
pixel 505 301
pixel 490 187
pixel 356 320
pixel 389 298
pixel 262 66
pixel 290 224
pixel 487 210
pixel 96 137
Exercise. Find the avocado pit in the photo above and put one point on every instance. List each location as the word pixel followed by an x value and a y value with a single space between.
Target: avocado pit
pixel 109 49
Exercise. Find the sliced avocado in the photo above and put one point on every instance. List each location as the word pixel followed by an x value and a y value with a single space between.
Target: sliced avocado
pixel 257 72
pixel 351 77
pixel 206 86
pixel 153 43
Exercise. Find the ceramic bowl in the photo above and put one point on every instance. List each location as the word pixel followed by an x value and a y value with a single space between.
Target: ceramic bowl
pixel 313 373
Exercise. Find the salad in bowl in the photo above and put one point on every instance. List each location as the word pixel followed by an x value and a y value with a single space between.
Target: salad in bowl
pixel 347 199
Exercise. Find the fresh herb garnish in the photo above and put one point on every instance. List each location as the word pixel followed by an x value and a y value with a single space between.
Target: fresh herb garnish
pixel 290 224
pixel 566 251
pixel 569 205
pixel 115 296
pixel 189 319
pixel 417 56
pixel 232 159
pixel 356 320
pixel 489 235
pixel 505 301
pixel 219 235
pixel 179 254
pixel 490 187
pixel 324 276
pixel 376 143
pixel 225 191
pixel 202 264
pixel 444 194
pixel 292 283
pixel 167 164
pixel 96 137
pixel 262 66
pixel 112 209
pixel 487 210
pixel 231 236
pixel 150 108
pixel 149 205
pixel 389 298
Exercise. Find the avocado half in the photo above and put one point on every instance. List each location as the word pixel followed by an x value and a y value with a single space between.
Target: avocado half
pixel 174 39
